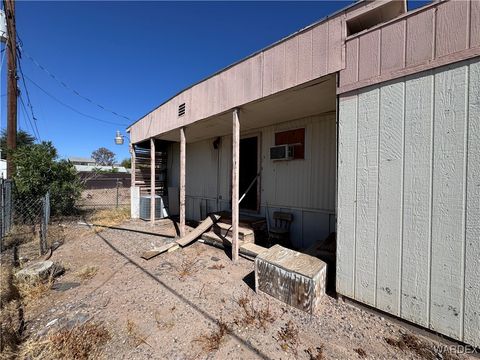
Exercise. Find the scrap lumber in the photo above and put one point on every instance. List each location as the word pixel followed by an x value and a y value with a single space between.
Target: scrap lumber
pixel 198 231
pixel 147 255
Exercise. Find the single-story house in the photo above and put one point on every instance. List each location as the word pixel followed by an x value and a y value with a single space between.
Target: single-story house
pixel 366 123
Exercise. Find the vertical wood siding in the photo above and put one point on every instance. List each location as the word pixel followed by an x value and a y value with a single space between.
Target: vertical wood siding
pixel 433 36
pixel 409 199
pixel 305 187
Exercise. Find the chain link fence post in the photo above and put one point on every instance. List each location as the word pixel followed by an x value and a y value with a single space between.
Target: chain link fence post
pixel 45 218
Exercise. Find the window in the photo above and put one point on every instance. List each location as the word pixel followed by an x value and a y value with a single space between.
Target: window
pixel 293 137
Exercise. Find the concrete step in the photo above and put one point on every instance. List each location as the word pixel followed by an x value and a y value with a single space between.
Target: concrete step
pixel 225 230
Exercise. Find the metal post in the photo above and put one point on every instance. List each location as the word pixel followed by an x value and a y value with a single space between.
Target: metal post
pixel 118 181
pixel 235 182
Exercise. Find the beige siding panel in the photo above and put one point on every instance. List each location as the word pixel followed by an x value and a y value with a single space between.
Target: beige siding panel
pixel 291 61
pixel 438 263
pixel 267 76
pixel 305 57
pixel 350 74
pixel 420 37
pixel 369 55
pixel 278 68
pixel 320 50
pixel 452 27
pixel 390 186
pixel 336 36
pixel 347 151
pixel 367 176
pixel 446 308
pixel 201 160
pixel 475 23
pixel 415 275
pixel 392 49
pixel 472 253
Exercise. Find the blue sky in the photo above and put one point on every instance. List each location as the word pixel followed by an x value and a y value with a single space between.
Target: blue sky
pixel 131 56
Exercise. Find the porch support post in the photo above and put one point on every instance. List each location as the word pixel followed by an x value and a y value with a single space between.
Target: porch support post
pixel 235 182
pixel 152 180
pixel 182 181
pixel 132 165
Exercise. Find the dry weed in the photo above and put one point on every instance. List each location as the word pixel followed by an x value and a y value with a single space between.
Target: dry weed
pixel 33 289
pixel 213 341
pixel 80 343
pixel 110 217
pixel 87 272
pixel 422 348
pixel 217 267
pixel 260 318
pixel 315 354
pixel 135 335
pixel 186 268
pixel 288 338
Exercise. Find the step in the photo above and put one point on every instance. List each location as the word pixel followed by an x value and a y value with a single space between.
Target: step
pixel 244 234
pixel 214 239
pixel 247 250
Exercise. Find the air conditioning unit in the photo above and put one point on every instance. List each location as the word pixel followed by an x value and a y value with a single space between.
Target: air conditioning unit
pixel 160 211
pixel 281 152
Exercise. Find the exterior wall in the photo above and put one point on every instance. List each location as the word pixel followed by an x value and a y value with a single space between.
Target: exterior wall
pixel 432 36
pixel 409 199
pixel 311 53
pixel 304 187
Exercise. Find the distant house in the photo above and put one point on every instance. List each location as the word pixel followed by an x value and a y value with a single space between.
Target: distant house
pixel 90 165
pixel 3 168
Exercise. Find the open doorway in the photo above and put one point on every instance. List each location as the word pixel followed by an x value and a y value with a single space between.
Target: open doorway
pixel 248 173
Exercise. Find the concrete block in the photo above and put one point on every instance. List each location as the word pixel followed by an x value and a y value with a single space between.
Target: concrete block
pixel 296 279
pixel 135 202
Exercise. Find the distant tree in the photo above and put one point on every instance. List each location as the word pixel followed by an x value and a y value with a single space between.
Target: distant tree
pixel 23 139
pixel 39 171
pixel 104 157
pixel 127 163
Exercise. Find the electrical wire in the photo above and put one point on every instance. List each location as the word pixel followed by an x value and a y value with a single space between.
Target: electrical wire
pixel 70 107
pixel 66 86
pixel 29 103
pixel 27 116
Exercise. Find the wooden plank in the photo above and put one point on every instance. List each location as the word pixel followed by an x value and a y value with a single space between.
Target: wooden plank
pixel 152 180
pixel 347 151
pixel 182 181
pixel 447 278
pixel 198 231
pixel 472 232
pixel 390 192
pixel 367 176
pixel 147 255
pixel 415 283
pixel 235 182
pixel 252 250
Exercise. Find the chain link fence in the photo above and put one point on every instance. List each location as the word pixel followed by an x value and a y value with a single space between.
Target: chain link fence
pixel 22 218
pixel 105 191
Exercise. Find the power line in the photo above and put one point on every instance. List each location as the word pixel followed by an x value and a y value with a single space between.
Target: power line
pixel 70 107
pixel 29 102
pixel 66 86
pixel 27 116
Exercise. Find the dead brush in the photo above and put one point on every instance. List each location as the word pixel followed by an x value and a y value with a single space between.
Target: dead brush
pixel 11 314
pixel 135 335
pixel 110 217
pixel 80 343
pixel 360 352
pixel 213 341
pixel 315 354
pixel 87 272
pixel 251 315
pixel 217 267
pixel 422 348
pixel 34 289
pixel 187 267
pixel 288 338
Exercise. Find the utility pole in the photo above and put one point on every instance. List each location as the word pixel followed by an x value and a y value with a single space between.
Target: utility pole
pixel 12 91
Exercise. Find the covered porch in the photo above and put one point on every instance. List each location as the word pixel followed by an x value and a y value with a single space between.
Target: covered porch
pixel 225 164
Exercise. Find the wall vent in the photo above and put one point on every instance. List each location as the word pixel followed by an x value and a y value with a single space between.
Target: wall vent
pixel 181 110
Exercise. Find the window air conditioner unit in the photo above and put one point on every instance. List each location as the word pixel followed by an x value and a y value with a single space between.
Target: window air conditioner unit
pixel 281 152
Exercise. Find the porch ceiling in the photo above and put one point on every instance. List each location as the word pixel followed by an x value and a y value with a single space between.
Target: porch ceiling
pixel 308 99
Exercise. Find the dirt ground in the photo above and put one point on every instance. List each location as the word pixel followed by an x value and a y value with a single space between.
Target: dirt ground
pixel 193 303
